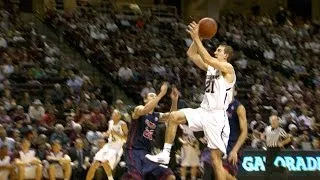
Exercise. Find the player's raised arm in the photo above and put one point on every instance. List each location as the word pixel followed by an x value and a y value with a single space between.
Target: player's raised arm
pixel 193 55
pixel 224 66
pixel 174 105
pixel 151 104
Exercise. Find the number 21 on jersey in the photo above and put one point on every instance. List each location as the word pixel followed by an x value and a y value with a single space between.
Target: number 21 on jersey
pixel 210 86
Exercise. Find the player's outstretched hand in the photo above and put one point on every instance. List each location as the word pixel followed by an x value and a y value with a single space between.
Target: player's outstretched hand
pixel 193 30
pixel 174 93
pixel 164 88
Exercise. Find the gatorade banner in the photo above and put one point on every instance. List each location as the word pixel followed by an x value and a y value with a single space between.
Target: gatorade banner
pixel 296 162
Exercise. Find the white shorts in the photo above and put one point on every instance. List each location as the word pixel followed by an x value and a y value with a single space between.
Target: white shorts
pixel 214 124
pixel 110 152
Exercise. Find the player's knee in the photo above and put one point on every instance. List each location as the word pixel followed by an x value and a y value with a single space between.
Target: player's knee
pixel 171 177
pixel 177 117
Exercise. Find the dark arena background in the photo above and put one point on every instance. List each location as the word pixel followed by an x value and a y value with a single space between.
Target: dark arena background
pixel 67 64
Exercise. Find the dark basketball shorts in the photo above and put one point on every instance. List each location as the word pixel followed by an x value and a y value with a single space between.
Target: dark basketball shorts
pixel 139 166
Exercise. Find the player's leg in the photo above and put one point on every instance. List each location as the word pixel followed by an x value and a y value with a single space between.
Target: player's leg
pixel 134 164
pixel 183 172
pixel 159 172
pixel 217 165
pixel 230 169
pixel 107 169
pixel 194 172
pixel 207 172
pixel 229 176
pixel 171 177
pixel 92 170
pixel 175 119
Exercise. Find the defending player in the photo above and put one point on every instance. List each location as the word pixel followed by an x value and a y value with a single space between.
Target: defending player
pixel 211 116
pixel 238 135
pixel 139 143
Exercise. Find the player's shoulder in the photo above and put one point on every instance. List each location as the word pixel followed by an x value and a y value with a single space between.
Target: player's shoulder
pixel 238 103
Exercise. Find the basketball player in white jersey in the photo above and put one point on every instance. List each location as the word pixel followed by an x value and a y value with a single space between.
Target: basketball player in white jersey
pixel 109 156
pixel 211 116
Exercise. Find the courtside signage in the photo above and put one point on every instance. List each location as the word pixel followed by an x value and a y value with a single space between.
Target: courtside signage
pixel 297 163
pixel 294 161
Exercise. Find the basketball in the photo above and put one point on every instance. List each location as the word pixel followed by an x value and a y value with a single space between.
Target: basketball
pixel 207 28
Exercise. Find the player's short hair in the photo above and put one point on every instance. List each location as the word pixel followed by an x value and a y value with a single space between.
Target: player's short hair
pixel 228 50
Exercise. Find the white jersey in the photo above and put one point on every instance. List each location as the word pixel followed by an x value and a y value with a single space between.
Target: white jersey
pixel 116 128
pixel 218 92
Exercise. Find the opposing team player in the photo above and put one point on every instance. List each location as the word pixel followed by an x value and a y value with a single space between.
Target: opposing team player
pixel 238 135
pixel 211 116
pixel 109 156
pixel 139 143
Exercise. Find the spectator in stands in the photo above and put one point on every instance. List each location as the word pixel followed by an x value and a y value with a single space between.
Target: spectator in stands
pixel 29 166
pixel 98 119
pixel 74 82
pixel 258 124
pixel 20 115
pixel 304 118
pixel 125 73
pixel 94 103
pixel 256 140
pixel 60 135
pixel 4 140
pixel 268 54
pixel 4 118
pixel 26 101
pixel 80 158
pixel 6 167
pixel 123 110
pixel 106 110
pixel 57 162
pixel 305 141
pixel 57 95
pixel 242 62
pixel 36 111
pixel 48 120
pixel 316 144
pixel 258 87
